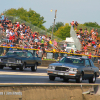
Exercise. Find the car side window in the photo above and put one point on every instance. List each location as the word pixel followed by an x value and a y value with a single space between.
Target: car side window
pixel 92 64
pixel 29 54
pixel 87 63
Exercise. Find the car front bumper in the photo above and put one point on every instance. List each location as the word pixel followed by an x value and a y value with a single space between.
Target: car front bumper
pixel 11 64
pixel 63 74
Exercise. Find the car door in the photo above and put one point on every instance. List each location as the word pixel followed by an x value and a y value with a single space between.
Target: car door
pixel 29 58
pixel 87 69
pixel 92 67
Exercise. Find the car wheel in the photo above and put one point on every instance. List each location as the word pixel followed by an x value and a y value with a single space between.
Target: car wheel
pixel 65 79
pixel 22 67
pixel 79 80
pixel 13 68
pixel 52 77
pixel 1 67
pixel 34 68
pixel 92 79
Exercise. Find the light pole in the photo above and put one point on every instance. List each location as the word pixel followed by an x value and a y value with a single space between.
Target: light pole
pixel 53 24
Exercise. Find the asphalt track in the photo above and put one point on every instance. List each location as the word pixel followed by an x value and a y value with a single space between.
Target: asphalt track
pixel 7 75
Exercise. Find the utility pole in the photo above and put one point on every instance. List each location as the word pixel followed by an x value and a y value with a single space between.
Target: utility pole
pixel 53 24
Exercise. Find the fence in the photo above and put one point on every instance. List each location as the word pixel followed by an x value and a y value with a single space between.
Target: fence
pixel 49 54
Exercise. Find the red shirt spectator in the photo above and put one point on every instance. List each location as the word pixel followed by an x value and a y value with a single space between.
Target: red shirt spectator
pixel 85 47
pixel 10 37
pixel 33 35
pixel 93 42
pixel 18 24
pixel 13 37
pixel 89 56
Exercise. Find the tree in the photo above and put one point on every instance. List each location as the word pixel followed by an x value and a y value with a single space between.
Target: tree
pixel 28 16
pixel 92 24
pixel 57 25
pixel 63 31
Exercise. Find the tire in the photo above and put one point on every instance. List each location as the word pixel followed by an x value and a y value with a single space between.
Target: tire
pixel 79 80
pixel 92 79
pixel 1 67
pixel 65 79
pixel 13 68
pixel 52 78
pixel 22 67
pixel 34 68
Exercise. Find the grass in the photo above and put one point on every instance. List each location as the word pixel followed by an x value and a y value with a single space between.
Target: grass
pixel 50 59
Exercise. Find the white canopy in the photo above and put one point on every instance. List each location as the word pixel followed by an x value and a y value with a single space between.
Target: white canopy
pixel 69 39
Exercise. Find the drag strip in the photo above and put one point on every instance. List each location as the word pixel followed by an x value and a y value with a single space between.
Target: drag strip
pixel 7 75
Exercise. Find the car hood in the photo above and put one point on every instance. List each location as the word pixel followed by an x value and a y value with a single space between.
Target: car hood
pixel 64 65
pixel 9 56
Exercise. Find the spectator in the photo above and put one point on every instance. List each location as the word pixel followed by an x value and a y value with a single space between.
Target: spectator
pixel 78 36
pixel 93 43
pixel 85 47
pixel 86 32
pixel 50 42
pixel 76 24
pixel 72 23
pixel 11 45
pixel 90 55
pixel 86 52
pixel 99 58
pixel 81 32
pixel 40 53
pixel 71 51
pixel 89 44
pixel 55 43
pixel 95 46
pixel 2 16
pixel 4 49
pixel 42 41
pixel 96 33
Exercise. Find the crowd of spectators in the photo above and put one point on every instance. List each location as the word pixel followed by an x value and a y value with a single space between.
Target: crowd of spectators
pixel 19 35
pixel 89 41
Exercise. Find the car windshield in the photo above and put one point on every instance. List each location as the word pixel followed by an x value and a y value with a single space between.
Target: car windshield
pixel 71 45
pixel 75 61
pixel 18 53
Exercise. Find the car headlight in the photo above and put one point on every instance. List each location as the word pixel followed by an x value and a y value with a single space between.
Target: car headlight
pixel 75 69
pixel 71 69
pixel 51 67
pixel 19 61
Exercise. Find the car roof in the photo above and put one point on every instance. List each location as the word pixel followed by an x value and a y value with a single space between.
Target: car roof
pixel 76 57
pixel 18 50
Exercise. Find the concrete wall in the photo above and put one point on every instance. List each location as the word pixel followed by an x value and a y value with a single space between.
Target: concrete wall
pixel 46 92
pixel 45 63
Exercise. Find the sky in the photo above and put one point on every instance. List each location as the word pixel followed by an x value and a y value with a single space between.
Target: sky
pixel 67 10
